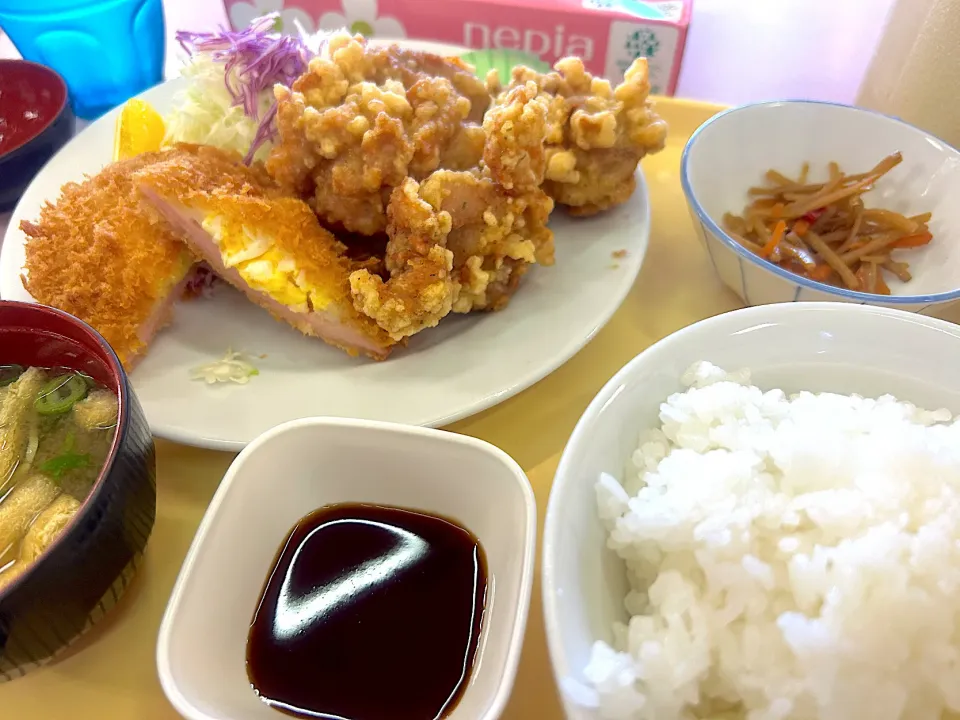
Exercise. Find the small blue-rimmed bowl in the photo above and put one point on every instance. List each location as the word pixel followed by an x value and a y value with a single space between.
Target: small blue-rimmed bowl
pixel 732 151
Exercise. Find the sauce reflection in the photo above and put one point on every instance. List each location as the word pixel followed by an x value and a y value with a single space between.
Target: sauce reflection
pixel 370 612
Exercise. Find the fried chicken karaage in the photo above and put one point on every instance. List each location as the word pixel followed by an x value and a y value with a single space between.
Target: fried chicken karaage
pixel 420 290
pixel 499 215
pixel 596 134
pixel 495 236
pixel 363 119
pixel 460 240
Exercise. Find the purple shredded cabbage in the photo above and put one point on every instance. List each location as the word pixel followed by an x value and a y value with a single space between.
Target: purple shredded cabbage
pixel 261 59
pixel 200 282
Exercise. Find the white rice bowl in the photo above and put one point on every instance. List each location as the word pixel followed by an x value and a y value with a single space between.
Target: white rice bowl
pixel 789 558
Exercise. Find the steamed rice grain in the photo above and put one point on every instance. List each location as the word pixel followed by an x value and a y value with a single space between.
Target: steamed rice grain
pixel 789 558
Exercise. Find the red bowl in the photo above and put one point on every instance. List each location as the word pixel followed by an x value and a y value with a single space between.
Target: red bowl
pixel 35 122
pixel 86 569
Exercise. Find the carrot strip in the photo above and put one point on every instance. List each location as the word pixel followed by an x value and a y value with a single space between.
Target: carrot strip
pixel 882 287
pixel 913 241
pixel 778 232
pixel 800 227
pixel 821 272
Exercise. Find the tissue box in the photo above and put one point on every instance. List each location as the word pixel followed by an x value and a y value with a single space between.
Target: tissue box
pixel 607 34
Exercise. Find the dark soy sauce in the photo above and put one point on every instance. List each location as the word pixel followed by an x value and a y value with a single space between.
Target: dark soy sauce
pixel 369 613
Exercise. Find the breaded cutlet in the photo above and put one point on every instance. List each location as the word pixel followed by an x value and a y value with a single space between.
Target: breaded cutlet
pixel 265 243
pixel 104 255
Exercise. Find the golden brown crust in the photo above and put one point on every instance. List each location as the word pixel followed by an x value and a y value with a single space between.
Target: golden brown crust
pixel 516 128
pixel 496 235
pixel 596 134
pixel 101 254
pixel 246 202
pixel 421 289
pixel 206 170
pixel 438 131
pixel 408 66
pixel 359 122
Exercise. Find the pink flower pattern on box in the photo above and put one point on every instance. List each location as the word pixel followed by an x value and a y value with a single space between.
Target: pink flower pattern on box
pixel 608 36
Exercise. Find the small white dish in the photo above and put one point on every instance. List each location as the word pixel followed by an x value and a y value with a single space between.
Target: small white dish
pixel 300 466
pixel 467 364
pixel 819 347
pixel 732 151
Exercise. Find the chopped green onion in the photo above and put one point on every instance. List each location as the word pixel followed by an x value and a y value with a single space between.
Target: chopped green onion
pixel 61 394
pixel 62 464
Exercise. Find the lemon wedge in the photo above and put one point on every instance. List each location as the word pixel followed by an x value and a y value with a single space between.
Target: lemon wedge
pixel 139 129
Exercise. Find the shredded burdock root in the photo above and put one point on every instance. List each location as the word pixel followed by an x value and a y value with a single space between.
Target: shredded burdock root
pixel 822 230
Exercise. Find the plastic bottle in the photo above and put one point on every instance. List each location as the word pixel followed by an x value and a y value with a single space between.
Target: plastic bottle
pixel 915 71
pixel 106 50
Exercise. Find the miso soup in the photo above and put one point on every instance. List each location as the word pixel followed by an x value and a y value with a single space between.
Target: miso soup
pixel 56 430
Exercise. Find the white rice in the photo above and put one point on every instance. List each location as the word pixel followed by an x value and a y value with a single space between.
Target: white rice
pixel 789 557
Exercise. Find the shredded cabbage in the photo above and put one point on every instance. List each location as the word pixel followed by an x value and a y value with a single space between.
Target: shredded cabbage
pixel 232 367
pixel 230 102
pixel 204 113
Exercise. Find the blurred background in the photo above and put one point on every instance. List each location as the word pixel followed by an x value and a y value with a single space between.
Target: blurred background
pixel 737 51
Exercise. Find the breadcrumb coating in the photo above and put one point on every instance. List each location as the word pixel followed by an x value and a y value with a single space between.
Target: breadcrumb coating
pixel 272 241
pixel 102 254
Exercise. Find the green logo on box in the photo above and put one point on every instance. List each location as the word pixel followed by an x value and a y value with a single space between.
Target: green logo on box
pixel 642 43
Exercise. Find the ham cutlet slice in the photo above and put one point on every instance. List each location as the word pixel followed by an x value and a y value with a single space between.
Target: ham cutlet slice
pixel 268 245
pixel 104 255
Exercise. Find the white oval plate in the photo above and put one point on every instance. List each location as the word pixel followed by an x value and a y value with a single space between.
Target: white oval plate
pixel 467 364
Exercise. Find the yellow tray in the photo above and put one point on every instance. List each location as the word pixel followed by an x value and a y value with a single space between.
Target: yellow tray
pixel 111 673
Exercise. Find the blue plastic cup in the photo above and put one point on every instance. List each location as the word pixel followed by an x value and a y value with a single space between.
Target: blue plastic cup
pixel 106 50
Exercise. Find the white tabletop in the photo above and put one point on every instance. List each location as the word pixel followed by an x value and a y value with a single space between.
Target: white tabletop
pixel 737 51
